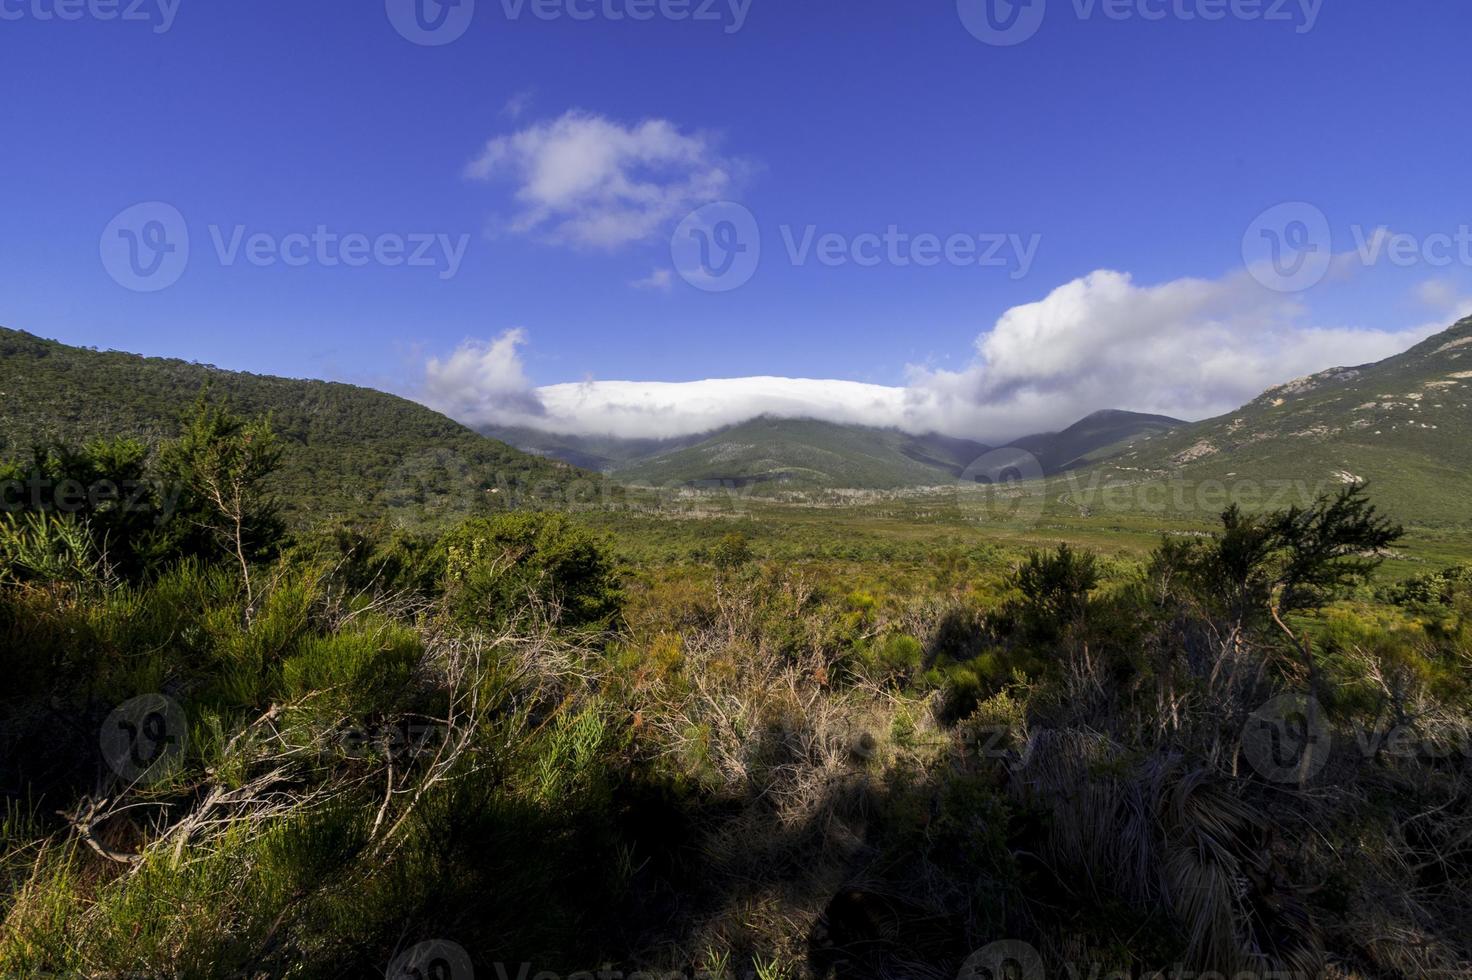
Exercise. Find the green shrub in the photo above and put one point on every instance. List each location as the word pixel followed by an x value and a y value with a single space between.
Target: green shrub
pixel 497 568
pixel 1055 590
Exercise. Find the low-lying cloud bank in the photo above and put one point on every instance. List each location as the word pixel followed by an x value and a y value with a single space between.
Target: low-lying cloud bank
pixel 1190 348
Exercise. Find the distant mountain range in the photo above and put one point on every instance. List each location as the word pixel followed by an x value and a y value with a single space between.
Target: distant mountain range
pixel 1404 425
pixel 802 454
pixel 347 451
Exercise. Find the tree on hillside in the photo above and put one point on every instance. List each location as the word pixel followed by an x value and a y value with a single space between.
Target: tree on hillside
pixel 218 468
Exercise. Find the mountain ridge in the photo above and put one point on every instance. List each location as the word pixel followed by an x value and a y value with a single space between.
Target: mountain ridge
pixel 808 453
pixel 1403 424
pixel 347 451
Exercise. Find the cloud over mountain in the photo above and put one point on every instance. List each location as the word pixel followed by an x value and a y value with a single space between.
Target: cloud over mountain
pixel 1189 348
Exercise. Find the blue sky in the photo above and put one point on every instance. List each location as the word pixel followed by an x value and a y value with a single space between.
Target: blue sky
pixel 1143 146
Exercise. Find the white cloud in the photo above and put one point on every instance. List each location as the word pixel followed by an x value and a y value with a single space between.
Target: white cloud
pixel 1190 348
pixel 661 410
pixel 518 104
pixel 662 280
pixel 586 180
pixel 481 381
pixel 1445 296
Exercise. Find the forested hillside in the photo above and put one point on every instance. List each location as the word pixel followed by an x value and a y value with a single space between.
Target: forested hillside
pixel 347 450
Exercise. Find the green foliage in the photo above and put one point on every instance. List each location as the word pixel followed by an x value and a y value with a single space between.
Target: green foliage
pixel 711 760
pixel 1443 588
pixel 106 488
pixel 1055 593
pixel 499 568
pixel 732 551
pixel 39 547
pixel 220 466
pixel 1296 560
pixel 1401 425
pixel 346 452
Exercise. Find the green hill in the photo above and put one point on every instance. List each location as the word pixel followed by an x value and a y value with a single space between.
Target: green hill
pixel 348 451
pixel 602 454
pixel 1403 424
pixel 805 454
pixel 1095 437
pixel 801 454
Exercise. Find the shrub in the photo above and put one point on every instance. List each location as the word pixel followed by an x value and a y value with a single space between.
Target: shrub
pixel 1055 592
pixel 497 568
pixel 731 552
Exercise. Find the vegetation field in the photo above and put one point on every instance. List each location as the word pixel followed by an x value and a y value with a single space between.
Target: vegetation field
pixel 714 734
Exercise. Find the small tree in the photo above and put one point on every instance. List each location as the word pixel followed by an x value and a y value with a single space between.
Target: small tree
pixel 1055 591
pixel 1262 569
pixel 219 466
